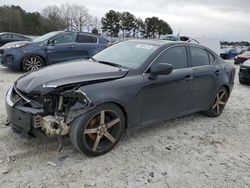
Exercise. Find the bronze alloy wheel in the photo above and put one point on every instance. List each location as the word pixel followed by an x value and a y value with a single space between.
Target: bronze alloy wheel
pixel 98 132
pixel 218 104
pixel 103 132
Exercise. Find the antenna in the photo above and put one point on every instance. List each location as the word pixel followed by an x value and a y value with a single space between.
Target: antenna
pixel 179 32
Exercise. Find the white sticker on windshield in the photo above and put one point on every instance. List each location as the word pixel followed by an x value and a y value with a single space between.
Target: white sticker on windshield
pixel 144 46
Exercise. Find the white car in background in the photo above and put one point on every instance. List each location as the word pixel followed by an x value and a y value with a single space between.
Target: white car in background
pixel 212 43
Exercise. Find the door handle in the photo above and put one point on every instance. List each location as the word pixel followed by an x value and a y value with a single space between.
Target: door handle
pixel 71 46
pixel 217 73
pixel 188 78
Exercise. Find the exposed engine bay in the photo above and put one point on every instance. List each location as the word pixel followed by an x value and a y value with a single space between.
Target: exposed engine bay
pixel 52 112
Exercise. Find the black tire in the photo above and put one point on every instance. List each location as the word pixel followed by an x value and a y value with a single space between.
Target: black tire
pixel 85 142
pixel 217 107
pixel 32 62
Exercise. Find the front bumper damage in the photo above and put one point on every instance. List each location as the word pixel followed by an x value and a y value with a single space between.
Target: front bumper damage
pixel 27 115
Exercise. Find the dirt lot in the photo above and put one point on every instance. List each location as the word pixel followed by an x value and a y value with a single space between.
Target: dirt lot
pixel 193 151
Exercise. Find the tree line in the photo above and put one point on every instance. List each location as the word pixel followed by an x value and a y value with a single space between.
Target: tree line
pixel 52 18
pixel 114 23
pixel 77 18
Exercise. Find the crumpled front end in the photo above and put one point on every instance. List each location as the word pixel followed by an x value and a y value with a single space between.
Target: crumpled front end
pixel 50 113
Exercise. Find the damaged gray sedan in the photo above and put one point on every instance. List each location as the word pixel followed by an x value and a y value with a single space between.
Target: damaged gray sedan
pixel 132 84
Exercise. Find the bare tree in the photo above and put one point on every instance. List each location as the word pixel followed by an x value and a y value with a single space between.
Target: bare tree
pixel 77 16
pixel 52 18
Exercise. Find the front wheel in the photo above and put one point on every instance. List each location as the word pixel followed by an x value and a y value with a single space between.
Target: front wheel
pixel 98 131
pixel 218 104
pixel 32 62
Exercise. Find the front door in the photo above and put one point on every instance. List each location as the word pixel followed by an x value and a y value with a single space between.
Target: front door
pixel 63 48
pixel 167 96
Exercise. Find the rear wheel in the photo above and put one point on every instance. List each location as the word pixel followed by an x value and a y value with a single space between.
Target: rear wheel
pixel 98 131
pixel 218 104
pixel 32 62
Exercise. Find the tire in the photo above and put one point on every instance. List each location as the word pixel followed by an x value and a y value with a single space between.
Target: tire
pixel 218 104
pixel 104 133
pixel 32 62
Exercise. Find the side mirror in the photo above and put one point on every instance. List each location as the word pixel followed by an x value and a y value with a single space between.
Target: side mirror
pixel 51 42
pixel 161 69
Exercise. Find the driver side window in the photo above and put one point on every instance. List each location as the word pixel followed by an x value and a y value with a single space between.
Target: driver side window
pixel 65 38
pixel 176 56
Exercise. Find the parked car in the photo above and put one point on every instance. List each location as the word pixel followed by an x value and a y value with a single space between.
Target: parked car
pixel 7 37
pixel 239 59
pixel 51 48
pixel 228 53
pixel 212 43
pixel 244 73
pixel 131 84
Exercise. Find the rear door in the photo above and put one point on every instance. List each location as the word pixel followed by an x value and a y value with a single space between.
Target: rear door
pixel 205 74
pixel 86 46
pixel 62 48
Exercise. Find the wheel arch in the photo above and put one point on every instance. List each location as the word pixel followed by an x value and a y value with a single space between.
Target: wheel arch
pixel 227 88
pixel 123 109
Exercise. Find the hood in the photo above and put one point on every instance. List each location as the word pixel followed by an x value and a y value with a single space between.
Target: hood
pixel 8 45
pixel 47 79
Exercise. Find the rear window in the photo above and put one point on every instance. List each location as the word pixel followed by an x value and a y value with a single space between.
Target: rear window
pixel 199 57
pixel 86 39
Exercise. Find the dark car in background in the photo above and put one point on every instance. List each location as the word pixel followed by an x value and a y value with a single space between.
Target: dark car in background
pixel 239 59
pixel 51 48
pixel 131 84
pixel 244 73
pixel 228 53
pixel 7 37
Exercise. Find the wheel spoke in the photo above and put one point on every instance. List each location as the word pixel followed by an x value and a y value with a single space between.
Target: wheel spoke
pixel 102 117
pixel 113 122
pixel 90 131
pixel 218 109
pixel 222 95
pixel 215 106
pixel 97 141
pixel 222 103
pixel 109 137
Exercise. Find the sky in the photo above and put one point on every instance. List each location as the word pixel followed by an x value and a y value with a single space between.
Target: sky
pixel 222 19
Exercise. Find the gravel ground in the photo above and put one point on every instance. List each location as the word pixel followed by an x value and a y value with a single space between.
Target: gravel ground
pixel 193 151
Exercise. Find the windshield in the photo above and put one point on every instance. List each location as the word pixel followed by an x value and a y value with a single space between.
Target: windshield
pixel 247 53
pixel 46 36
pixel 126 54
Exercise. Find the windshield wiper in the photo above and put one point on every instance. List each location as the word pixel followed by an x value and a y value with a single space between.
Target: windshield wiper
pixel 93 59
pixel 111 64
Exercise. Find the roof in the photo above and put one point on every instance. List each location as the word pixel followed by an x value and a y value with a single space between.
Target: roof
pixel 156 42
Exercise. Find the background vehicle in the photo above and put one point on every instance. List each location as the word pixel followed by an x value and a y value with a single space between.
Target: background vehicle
pixel 212 43
pixel 239 59
pixel 51 48
pixel 131 84
pixel 244 73
pixel 12 37
pixel 228 53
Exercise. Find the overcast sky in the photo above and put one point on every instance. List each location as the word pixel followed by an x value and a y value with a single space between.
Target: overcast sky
pixel 223 19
